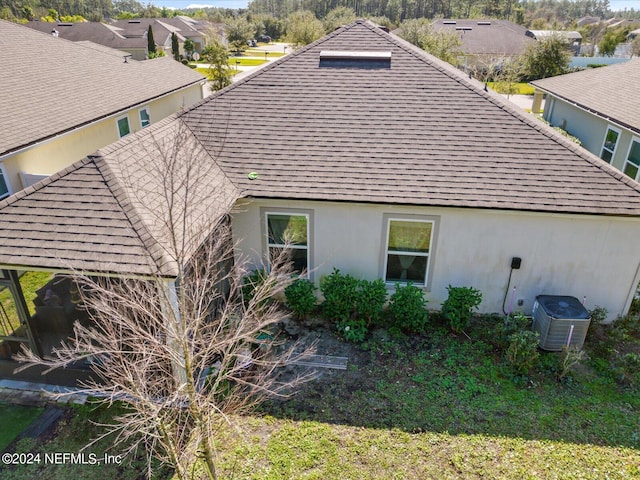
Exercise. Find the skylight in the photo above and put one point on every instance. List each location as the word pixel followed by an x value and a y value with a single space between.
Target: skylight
pixel 354 59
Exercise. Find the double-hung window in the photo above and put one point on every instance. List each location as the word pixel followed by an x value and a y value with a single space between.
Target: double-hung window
pixel 123 126
pixel 145 118
pixel 289 230
pixel 632 165
pixel 609 145
pixel 408 249
pixel 5 190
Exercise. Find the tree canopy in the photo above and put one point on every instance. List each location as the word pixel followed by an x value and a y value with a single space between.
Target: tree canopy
pixel 548 57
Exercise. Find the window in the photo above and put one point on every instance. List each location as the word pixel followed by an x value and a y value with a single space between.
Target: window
pixel 5 190
pixel 408 249
pixel 609 145
pixel 290 229
pixel 632 165
pixel 145 118
pixel 123 126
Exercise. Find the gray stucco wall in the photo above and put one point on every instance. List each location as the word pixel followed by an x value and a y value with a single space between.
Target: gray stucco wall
pixel 578 255
pixel 589 128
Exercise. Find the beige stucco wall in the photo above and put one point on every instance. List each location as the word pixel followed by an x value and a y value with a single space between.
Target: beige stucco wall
pixel 589 128
pixel 592 256
pixel 53 155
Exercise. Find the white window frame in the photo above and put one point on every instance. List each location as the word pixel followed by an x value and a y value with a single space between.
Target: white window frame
pixel 604 142
pixel 144 109
pixel 434 221
pixel 123 117
pixel 308 214
pixel 3 173
pixel 626 158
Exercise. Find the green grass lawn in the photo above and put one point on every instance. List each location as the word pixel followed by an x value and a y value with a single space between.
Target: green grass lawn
pixel 431 406
pixel 260 53
pixel 15 419
pixel 74 432
pixel 30 283
pixel 515 88
pixel 245 62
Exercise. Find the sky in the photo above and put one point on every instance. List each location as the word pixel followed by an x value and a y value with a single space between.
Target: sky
pixel 615 4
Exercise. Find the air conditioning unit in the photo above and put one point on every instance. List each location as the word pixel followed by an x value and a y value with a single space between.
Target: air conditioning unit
pixel 556 318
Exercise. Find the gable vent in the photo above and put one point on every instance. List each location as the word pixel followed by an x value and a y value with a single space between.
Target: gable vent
pixel 355 59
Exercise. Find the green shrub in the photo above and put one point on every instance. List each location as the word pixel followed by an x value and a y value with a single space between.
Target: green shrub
pixel 340 292
pixel 522 352
pixel 370 300
pixel 352 303
pixel 353 330
pixel 408 309
pixel 459 305
pixel 300 297
pixel 627 368
pixel 507 326
pixel 597 315
pixel 570 358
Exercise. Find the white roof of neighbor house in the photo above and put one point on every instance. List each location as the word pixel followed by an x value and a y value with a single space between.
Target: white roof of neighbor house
pixel 538 34
pixel 51 85
pixel 611 92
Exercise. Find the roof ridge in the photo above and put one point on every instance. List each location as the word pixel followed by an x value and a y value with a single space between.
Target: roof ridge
pixel 213 159
pixel 546 130
pixel 152 246
pixel 268 67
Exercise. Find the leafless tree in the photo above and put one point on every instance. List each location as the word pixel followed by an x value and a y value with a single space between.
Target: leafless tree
pixel 182 348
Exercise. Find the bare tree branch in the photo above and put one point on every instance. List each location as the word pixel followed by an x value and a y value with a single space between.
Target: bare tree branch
pixel 186 353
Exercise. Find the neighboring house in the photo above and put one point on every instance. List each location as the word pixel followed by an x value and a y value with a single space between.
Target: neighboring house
pixel 601 107
pixel 63 100
pixel 584 21
pixel 388 163
pixel 198 31
pixel 573 38
pixel 96 32
pixel 131 35
pixel 486 43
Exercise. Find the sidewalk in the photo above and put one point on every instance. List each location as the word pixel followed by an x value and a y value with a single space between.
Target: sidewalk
pixel 523 101
pixel 37 394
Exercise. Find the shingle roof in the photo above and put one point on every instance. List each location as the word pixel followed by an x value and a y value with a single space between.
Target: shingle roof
pixel 487 37
pixel 612 92
pixel 414 132
pixel 419 132
pixel 51 85
pixel 95 32
pixel 106 212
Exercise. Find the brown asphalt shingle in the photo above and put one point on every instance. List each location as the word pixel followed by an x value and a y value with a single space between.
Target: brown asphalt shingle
pixel 107 212
pixel 419 132
pixel 51 85
pixel 612 92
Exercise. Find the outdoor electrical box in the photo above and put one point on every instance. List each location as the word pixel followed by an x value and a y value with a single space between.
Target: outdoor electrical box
pixel 515 263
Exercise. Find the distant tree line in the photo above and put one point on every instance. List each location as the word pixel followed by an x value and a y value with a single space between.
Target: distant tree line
pixel 523 12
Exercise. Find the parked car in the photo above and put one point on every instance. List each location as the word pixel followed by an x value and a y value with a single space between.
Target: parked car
pixel 264 39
